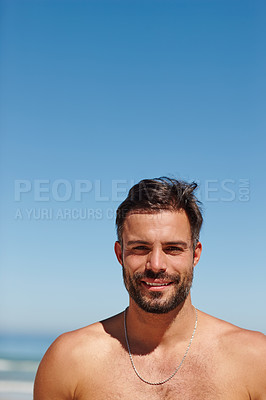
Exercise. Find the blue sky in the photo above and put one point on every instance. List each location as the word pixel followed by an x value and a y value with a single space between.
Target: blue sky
pixel 97 95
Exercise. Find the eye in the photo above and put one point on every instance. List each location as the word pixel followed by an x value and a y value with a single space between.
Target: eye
pixel 140 249
pixel 173 249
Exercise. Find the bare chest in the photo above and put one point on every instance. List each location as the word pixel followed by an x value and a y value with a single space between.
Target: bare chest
pixel 196 380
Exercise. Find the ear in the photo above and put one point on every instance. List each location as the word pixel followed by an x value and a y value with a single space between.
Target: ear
pixel 197 253
pixel 118 252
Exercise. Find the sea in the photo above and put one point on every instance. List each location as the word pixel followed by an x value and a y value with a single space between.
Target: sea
pixel 20 355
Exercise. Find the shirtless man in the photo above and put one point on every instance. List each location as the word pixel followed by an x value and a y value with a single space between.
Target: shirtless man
pixel 161 347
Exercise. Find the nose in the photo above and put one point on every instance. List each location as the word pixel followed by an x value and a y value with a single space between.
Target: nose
pixel 156 260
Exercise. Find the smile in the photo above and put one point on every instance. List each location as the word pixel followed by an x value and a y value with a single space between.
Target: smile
pixel 157 284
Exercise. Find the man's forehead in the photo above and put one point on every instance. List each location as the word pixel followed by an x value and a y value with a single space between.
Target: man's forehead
pixel 156 220
pixel 164 227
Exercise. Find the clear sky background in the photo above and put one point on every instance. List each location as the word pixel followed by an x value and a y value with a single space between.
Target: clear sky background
pixel 96 95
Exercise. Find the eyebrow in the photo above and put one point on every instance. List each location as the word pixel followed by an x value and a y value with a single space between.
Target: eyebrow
pixel 178 243
pixel 130 242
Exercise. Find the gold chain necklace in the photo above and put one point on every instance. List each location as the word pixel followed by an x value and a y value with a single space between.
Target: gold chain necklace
pixel 177 368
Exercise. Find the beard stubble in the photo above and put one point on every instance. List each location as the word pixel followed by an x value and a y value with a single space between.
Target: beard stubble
pixel 154 302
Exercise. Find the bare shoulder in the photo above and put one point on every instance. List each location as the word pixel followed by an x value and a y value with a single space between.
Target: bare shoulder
pixel 233 338
pixel 62 366
pixel 240 350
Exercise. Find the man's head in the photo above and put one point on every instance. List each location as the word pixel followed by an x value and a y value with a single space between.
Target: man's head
pixel 158 229
pixel 155 195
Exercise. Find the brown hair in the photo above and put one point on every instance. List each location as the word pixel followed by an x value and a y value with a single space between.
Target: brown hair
pixel 154 195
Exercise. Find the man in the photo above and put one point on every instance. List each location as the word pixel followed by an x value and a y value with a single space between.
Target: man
pixel 161 347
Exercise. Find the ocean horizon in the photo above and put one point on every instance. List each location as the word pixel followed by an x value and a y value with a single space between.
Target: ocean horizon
pixel 20 355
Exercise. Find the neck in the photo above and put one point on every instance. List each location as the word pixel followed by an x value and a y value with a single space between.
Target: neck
pixel 148 331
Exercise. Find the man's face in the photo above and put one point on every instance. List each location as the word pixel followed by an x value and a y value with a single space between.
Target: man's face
pixel 157 259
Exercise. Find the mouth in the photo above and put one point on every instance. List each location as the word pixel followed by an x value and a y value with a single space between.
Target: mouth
pixel 151 285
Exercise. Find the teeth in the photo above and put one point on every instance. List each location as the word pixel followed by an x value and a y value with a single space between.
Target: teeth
pixel 156 284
